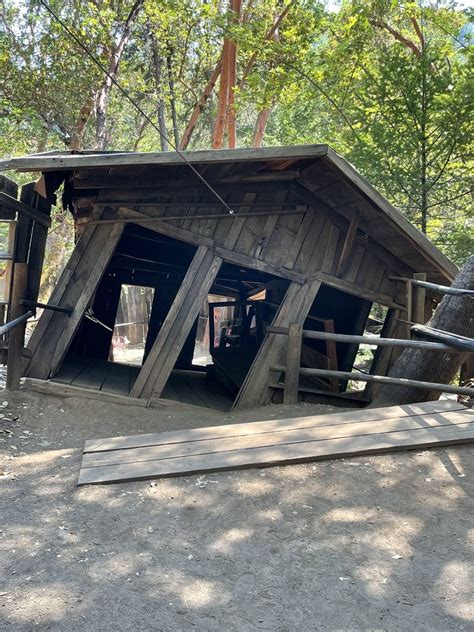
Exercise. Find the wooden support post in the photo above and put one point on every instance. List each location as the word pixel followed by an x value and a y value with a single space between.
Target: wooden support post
pixel 294 308
pixel 178 323
pixel 39 234
pixel 419 299
pixel 75 289
pixel 16 337
pixel 293 360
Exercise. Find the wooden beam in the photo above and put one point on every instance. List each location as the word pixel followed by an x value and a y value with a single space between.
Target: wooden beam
pixel 46 387
pixel 11 204
pixel 39 235
pixel 165 228
pixel 208 156
pixel 257 264
pixel 293 360
pixel 177 324
pixel 348 243
pixel 151 181
pixel 382 379
pixel 9 187
pixel 356 290
pixel 293 309
pixel 74 290
pixel 419 299
pixel 370 340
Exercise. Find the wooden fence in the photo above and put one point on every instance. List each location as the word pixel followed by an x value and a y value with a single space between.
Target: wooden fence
pixel 293 370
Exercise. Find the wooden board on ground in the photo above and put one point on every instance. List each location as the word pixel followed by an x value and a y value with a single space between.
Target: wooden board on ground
pixel 276 442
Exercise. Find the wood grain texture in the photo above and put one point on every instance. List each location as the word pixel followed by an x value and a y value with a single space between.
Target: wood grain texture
pixel 275 425
pixel 278 448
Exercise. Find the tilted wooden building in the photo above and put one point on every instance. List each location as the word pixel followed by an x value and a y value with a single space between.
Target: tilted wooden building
pixel 309 238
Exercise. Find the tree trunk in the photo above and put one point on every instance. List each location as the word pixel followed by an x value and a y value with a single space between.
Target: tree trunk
pixel 174 117
pixel 200 106
pixel 454 314
pixel 260 126
pixel 160 102
pixel 116 53
pixel 221 117
pixel 77 135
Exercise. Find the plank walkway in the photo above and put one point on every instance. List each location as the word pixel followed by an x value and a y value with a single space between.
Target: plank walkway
pixel 276 442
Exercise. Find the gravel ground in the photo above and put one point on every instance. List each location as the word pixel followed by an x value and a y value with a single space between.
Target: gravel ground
pixel 378 543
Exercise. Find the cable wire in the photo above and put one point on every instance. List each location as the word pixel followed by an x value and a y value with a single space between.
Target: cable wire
pixel 135 104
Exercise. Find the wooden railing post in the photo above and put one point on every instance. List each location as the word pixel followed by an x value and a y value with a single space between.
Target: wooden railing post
pixel 419 299
pixel 16 337
pixel 293 360
pixel 331 354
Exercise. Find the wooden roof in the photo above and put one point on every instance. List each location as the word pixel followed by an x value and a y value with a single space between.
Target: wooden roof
pixel 319 172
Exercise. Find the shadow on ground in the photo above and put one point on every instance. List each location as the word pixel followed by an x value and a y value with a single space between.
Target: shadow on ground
pixel 379 543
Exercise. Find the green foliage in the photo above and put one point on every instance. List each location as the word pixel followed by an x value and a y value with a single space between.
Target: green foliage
pixel 386 83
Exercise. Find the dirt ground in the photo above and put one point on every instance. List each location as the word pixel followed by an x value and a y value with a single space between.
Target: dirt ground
pixel 380 543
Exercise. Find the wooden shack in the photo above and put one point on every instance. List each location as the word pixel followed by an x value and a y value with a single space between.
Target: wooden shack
pixel 308 241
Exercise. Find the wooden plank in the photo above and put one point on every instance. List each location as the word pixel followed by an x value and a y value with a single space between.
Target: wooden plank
pixel 117 379
pixel 292 453
pixel 354 264
pixel 93 375
pixel 177 324
pixel 257 264
pixel 17 206
pixel 57 335
pixel 9 187
pixel 295 249
pixel 351 288
pixel 281 438
pixel 61 286
pixel 330 250
pixel 82 180
pixel 47 387
pixel 348 243
pixel 69 371
pixel 166 228
pixel 294 308
pixel 293 361
pixel 75 161
pixel 275 425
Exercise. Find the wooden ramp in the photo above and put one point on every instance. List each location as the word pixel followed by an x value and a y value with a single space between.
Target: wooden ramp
pixel 277 442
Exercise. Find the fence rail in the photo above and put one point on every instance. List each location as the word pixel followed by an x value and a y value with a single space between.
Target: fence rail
pixel 293 370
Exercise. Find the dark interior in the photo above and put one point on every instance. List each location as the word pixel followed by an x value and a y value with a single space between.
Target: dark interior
pixel 235 322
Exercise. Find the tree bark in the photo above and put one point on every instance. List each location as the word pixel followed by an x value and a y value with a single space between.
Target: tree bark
pixel 77 136
pixel 219 127
pixel 174 117
pixel 200 106
pixel 260 126
pixel 160 103
pixel 454 314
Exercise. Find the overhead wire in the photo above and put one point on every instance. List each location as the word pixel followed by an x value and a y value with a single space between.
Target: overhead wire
pixel 91 55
